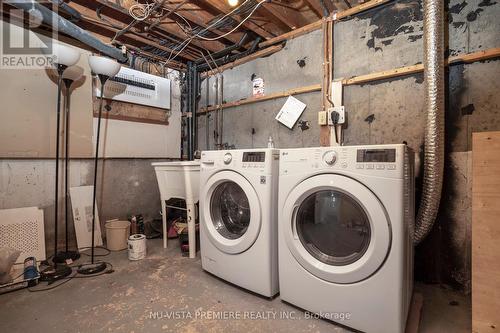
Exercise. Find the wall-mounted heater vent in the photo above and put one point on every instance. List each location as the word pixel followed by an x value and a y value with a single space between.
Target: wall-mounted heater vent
pixel 137 87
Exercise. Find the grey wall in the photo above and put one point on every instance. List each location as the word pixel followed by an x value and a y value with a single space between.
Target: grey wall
pixel 382 39
pixel 280 72
pixel 126 185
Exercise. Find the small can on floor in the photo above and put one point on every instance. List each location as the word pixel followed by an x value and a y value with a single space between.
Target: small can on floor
pixel 137 247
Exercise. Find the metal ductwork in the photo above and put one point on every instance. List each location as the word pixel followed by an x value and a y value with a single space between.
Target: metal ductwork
pixel 434 104
pixel 62 25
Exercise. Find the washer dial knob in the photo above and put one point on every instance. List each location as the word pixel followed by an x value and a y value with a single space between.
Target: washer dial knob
pixel 330 157
pixel 228 158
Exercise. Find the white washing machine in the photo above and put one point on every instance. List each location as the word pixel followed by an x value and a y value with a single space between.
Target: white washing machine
pixel 239 217
pixel 345 234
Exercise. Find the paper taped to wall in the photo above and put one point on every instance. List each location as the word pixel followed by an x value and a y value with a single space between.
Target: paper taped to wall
pixel 290 112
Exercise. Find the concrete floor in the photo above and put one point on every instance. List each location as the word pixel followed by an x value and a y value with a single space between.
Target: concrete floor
pixel 165 283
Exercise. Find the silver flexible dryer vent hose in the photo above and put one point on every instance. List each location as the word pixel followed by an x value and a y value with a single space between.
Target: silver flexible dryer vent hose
pixel 434 131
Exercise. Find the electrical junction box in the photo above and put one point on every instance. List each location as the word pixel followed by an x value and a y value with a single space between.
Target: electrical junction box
pixel 323 118
pixel 340 110
pixel 137 87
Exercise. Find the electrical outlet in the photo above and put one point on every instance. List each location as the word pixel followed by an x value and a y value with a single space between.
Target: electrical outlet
pixel 323 118
pixel 340 110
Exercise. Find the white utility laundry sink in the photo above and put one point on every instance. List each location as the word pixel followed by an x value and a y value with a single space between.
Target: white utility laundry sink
pixel 180 179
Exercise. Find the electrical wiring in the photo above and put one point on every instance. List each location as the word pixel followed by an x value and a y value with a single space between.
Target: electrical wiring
pixel 188 40
pixel 146 11
pixel 239 25
pixel 214 24
pixel 170 58
pixel 63 281
pixel 179 48
pixel 120 32
pixel 75 275
pixel 226 15
pixel 185 21
pixel 108 251
pixel 140 12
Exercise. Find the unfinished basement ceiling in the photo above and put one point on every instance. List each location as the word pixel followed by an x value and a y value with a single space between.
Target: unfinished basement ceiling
pixel 174 32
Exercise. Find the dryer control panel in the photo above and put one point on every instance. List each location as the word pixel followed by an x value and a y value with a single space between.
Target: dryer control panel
pixel 377 160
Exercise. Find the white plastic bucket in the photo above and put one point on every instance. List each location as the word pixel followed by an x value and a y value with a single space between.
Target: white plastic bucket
pixel 117 233
pixel 137 247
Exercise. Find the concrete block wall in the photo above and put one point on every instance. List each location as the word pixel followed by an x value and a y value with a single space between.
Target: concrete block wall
pixel 382 39
pixel 126 186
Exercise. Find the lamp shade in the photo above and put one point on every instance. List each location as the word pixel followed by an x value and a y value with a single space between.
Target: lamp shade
pixel 73 73
pixel 65 55
pixel 104 66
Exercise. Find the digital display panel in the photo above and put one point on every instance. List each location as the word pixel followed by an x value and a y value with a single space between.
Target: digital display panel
pixel 376 155
pixel 255 156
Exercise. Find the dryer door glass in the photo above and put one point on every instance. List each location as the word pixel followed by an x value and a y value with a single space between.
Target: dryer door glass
pixel 333 227
pixel 230 210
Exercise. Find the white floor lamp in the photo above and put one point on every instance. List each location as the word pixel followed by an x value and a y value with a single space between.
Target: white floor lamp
pixel 104 68
pixel 70 75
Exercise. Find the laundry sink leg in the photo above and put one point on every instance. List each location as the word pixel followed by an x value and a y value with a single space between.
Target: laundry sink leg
pixel 164 222
pixel 191 212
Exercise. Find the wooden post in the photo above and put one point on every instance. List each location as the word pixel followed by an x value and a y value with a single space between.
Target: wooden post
pixel 324 139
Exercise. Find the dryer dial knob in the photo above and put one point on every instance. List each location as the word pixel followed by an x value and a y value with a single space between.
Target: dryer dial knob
pixel 330 157
pixel 228 158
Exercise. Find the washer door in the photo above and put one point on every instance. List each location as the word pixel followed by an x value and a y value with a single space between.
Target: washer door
pixel 336 228
pixel 231 212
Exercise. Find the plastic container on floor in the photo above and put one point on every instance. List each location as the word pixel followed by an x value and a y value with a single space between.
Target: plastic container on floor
pixel 117 233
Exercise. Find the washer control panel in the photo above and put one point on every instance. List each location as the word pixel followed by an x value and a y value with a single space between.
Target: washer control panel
pixel 227 158
pixel 254 156
pixel 254 159
pixel 263 161
pixel 330 157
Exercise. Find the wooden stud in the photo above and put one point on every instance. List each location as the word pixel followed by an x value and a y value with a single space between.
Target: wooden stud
pixel 295 91
pixel 325 130
pixel 132 112
pixel 408 70
pixel 293 34
pixel 358 9
pixel 485 232
pixel 253 56
pixel 317 25
pixel 401 71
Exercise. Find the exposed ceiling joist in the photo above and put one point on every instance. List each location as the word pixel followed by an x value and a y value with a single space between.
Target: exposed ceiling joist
pixel 91 18
pixel 169 27
pixel 289 16
pixel 201 18
pixel 224 8
pixel 316 7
